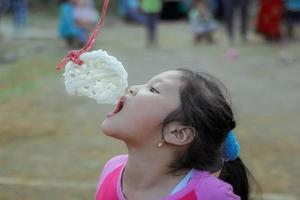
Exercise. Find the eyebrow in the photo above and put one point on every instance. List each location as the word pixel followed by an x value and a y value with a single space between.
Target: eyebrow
pixel 157 81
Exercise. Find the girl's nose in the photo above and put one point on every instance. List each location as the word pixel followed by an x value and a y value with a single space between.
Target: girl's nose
pixel 133 90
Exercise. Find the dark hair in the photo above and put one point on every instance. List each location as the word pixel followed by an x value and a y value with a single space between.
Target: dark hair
pixel 205 108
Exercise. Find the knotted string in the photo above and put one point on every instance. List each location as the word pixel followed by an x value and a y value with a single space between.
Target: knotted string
pixel 73 55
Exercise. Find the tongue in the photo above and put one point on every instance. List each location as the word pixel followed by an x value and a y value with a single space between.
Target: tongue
pixel 118 107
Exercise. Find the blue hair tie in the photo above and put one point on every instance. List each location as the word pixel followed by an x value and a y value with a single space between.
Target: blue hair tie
pixel 231 148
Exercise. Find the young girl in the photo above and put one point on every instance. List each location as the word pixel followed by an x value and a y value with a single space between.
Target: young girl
pixel 177 128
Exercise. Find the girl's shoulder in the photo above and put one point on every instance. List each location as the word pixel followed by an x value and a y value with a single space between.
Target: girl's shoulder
pixel 208 186
pixel 111 165
pixel 116 161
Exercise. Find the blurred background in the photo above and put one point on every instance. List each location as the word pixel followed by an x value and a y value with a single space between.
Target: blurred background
pixel 51 146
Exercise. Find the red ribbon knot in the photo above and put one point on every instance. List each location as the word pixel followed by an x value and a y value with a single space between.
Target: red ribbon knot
pixel 73 56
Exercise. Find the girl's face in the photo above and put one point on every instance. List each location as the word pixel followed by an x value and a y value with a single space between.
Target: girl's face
pixel 138 117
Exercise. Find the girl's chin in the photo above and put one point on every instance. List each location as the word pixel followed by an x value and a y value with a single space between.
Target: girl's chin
pixel 105 128
pixel 109 129
pixel 108 132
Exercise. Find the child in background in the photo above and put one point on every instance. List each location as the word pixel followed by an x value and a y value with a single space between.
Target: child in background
pixel 151 9
pixel 74 35
pixel 202 22
pixel 178 132
pixel 130 11
pixel 85 15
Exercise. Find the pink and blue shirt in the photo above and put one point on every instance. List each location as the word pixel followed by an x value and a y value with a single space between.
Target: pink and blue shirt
pixel 196 185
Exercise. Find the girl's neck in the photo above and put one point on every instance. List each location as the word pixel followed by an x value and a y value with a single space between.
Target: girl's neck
pixel 146 168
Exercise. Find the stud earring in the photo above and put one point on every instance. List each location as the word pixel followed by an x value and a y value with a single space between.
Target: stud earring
pixel 161 143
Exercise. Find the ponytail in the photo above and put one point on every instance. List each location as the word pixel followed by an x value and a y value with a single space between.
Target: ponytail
pixel 238 176
pixel 205 108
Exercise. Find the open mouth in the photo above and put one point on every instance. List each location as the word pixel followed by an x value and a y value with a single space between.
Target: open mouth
pixel 118 107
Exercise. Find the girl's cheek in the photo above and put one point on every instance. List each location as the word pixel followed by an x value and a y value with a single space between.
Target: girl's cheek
pixel 148 116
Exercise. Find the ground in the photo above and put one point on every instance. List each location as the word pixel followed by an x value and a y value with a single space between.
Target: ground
pixel 51 146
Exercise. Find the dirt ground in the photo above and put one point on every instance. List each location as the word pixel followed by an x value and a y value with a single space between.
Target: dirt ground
pixel 51 146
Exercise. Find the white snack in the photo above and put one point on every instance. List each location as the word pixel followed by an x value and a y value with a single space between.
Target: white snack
pixel 101 77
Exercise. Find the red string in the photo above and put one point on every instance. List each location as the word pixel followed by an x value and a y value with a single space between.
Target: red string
pixel 73 55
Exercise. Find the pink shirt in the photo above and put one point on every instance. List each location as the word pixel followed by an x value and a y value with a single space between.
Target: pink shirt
pixel 202 186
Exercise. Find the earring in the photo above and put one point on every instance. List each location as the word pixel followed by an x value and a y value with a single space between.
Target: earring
pixel 161 143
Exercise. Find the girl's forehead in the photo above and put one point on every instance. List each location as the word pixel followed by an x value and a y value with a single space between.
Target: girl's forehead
pixel 174 75
pixel 170 82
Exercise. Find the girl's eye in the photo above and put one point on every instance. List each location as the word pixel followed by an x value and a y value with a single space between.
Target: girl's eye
pixel 153 90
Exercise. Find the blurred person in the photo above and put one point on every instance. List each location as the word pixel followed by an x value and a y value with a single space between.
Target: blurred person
pixel 151 9
pixel 74 35
pixel 292 16
pixel 217 8
pixel 19 10
pixel 229 8
pixel 130 10
pixel 269 20
pixel 85 15
pixel 202 22
pixel 213 5
pixel 184 7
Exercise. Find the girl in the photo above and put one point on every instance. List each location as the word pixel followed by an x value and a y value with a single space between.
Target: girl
pixel 177 131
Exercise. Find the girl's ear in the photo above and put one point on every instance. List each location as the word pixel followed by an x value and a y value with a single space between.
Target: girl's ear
pixel 179 135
